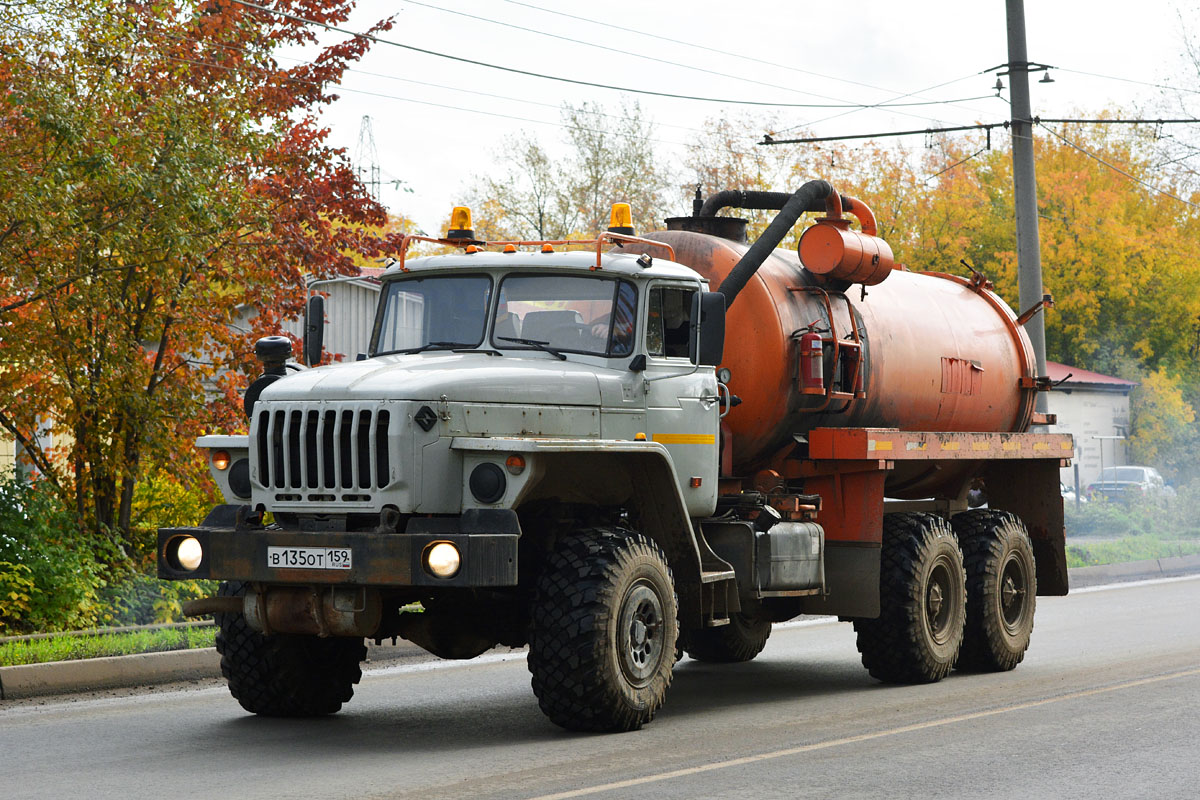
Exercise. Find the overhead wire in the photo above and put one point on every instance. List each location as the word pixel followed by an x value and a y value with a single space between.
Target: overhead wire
pixel 841 103
pixel 718 51
pixel 530 73
pixel 1129 80
pixel 342 87
pixel 446 106
pixel 1113 167
pixel 959 163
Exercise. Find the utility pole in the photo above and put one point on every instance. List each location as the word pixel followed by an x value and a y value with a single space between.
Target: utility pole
pixel 1029 250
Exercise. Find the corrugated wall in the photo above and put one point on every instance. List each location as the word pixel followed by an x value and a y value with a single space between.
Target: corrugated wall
pixel 349 314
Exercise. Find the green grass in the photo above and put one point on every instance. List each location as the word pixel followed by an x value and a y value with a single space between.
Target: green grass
pixel 1115 533
pixel 69 648
pixel 1130 548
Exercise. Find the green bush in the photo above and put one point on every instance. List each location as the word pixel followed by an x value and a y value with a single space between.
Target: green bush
pixel 140 598
pixel 48 568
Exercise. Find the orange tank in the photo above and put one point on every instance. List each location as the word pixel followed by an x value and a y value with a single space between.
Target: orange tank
pixel 920 351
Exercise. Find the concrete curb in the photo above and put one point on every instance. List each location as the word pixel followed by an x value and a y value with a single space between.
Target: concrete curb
pixel 1134 571
pixel 65 677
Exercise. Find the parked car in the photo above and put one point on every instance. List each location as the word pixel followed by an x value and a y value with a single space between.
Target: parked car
pixel 1122 484
pixel 1068 493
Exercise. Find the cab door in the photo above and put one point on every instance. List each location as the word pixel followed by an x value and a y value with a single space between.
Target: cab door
pixel 682 401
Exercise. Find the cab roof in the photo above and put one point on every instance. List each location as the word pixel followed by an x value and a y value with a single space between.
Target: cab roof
pixel 611 264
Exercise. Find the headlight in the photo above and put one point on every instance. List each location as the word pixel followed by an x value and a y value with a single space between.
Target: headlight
pixel 443 560
pixel 189 553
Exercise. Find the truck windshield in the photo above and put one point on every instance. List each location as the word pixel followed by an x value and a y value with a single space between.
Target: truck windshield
pixel 438 312
pixel 568 313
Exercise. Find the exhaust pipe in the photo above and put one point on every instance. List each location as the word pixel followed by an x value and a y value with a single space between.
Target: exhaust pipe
pixel 334 611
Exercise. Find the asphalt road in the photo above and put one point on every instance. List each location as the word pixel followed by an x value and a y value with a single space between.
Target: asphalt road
pixel 1105 705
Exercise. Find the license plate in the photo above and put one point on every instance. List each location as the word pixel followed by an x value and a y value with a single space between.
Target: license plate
pixel 309 557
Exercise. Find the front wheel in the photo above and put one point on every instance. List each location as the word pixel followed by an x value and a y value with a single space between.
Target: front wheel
pixel 922 602
pixel 1001 589
pixel 283 675
pixel 602 643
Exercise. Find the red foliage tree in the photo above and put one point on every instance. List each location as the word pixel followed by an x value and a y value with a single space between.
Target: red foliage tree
pixel 162 174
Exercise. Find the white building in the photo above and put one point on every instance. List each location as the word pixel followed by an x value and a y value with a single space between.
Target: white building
pixel 349 313
pixel 1094 408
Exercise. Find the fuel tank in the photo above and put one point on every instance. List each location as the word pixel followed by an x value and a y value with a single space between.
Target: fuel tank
pixel 917 351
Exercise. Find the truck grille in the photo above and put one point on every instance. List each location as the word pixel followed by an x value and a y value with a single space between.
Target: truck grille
pixel 319 447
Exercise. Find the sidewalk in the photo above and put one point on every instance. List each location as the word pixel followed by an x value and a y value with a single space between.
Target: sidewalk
pixel 151 669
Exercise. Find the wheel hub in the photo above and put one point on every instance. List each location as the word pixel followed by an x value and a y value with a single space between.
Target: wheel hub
pixel 940 599
pixel 1013 593
pixel 640 632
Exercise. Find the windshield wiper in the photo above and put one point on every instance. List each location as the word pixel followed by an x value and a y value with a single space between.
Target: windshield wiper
pixel 431 345
pixel 540 345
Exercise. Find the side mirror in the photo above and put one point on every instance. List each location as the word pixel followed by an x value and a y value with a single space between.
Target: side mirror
pixel 707 345
pixel 314 329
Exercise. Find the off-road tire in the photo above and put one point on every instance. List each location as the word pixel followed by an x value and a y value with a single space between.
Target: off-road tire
pixel 603 634
pixel 741 640
pixel 1001 589
pixel 922 602
pixel 282 675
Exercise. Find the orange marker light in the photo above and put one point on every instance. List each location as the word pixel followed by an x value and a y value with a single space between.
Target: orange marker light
pixel 510 248
pixel 547 248
pixel 515 464
pixel 220 459
pixel 639 437
pixel 695 482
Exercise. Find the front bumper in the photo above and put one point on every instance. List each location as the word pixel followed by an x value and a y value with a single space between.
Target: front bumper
pixel 489 558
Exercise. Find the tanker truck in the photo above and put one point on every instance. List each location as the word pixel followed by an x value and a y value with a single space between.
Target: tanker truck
pixel 586 448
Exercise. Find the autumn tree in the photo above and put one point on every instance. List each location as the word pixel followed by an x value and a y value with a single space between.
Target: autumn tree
pixel 1119 226
pixel 610 158
pixel 160 173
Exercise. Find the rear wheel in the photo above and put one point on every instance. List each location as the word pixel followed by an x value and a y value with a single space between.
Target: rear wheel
pixel 1001 589
pixel 282 675
pixel 602 643
pixel 741 640
pixel 922 602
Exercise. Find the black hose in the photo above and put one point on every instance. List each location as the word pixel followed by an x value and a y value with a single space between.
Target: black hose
pixel 734 198
pixel 758 201
pixel 809 197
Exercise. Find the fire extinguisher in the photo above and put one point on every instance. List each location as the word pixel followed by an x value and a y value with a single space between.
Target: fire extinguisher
pixel 812 362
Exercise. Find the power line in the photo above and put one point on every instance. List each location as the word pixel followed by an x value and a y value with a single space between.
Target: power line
pixel 840 104
pixel 1115 168
pixel 529 73
pixel 898 97
pixel 705 48
pixel 1130 80
pixel 351 70
pixel 955 164
pixel 446 106
pixel 768 139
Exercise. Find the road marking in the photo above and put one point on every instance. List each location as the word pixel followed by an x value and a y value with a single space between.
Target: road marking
pixel 862 737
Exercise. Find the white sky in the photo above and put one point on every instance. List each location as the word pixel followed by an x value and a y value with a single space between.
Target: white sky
pixel 437 138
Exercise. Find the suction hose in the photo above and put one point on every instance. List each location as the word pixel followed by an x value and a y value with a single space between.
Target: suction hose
pixel 812 196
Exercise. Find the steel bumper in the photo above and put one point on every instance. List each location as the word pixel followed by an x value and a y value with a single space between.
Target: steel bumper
pixel 378 559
